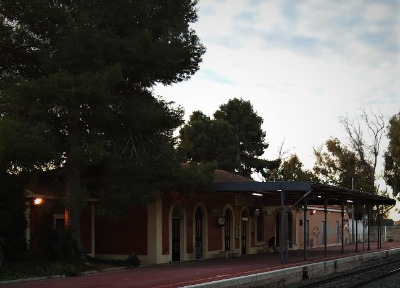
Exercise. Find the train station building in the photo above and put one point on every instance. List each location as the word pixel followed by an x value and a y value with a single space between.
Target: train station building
pixel 236 216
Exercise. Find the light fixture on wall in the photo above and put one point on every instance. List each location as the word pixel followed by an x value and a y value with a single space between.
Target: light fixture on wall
pixel 313 212
pixel 37 201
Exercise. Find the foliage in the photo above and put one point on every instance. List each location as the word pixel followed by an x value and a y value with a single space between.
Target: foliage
pixel 291 169
pixel 75 87
pixel 366 148
pixel 233 140
pixel 41 268
pixel 246 125
pixel 392 155
pixel 338 165
pixel 13 245
pixel 206 140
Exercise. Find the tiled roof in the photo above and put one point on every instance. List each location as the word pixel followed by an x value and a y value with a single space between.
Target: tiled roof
pixel 223 176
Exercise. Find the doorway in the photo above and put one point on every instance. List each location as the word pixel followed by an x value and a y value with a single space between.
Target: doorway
pixel 176 234
pixel 198 244
pixel 228 228
pixel 244 222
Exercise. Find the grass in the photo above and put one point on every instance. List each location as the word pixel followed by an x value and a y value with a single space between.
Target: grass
pixel 72 268
pixel 30 269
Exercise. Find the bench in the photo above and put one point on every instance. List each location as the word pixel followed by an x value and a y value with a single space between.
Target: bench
pixel 230 253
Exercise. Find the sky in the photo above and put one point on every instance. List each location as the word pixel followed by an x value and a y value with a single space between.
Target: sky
pixel 301 64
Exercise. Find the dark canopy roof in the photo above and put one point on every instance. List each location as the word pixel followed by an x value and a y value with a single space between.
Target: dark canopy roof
pixel 295 190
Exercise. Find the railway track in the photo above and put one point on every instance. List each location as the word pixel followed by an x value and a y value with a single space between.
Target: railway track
pixel 354 278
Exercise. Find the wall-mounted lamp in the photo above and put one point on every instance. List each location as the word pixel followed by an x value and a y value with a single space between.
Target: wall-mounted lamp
pixel 37 201
pixel 313 212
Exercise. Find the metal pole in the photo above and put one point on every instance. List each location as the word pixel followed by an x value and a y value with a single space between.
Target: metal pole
pixel 379 228
pixel 305 228
pixel 369 222
pixel 355 217
pixel 342 227
pixel 286 236
pixel 281 240
pixel 352 222
pixel 325 224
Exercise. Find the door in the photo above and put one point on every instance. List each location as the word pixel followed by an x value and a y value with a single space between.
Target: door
pixel 243 232
pixel 198 234
pixel 60 234
pixel 290 230
pixel 176 239
pixel 228 230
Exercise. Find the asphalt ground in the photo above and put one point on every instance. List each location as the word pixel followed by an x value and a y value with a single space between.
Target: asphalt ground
pixel 180 274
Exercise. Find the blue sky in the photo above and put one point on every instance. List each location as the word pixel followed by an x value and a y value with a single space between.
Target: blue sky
pixel 302 64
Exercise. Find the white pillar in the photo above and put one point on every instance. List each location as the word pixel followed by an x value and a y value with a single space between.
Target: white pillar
pixel 154 231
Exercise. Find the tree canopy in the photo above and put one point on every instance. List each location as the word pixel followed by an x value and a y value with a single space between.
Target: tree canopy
pixel 75 89
pixel 291 169
pixel 338 165
pixel 206 140
pixel 246 124
pixel 392 155
pixel 234 139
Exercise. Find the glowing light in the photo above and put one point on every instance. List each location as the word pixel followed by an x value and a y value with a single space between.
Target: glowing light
pixel 38 201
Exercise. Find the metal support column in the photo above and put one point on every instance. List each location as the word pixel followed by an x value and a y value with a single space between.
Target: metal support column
pixel 305 226
pixel 378 216
pixel 287 236
pixel 281 240
pixel 325 224
pixel 355 219
pixel 369 222
pixel 342 249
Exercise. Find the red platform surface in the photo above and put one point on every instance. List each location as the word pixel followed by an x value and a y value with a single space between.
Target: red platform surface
pixel 179 274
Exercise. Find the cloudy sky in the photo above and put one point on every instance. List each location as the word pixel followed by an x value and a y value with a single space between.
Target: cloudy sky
pixel 302 65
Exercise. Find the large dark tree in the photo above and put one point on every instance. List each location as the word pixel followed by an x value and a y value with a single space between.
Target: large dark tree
pixel 75 90
pixel 392 155
pixel 246 124
pixel 206 140
pixel 233 140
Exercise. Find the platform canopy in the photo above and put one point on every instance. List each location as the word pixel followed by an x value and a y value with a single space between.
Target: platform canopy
pixel 295 190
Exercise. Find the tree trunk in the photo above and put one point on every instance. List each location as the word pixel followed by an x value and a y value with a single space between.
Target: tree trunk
pixel 74 197
pixel 73 212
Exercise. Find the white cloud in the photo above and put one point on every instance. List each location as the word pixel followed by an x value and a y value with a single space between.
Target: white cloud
pixel 301 65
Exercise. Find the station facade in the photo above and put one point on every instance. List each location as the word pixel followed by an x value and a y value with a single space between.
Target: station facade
pixel 205 224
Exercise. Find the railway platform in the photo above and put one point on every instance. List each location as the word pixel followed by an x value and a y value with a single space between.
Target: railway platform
pixel 244 271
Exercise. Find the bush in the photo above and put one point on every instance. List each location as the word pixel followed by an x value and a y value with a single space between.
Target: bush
pixel 13 222
pixel 42 268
